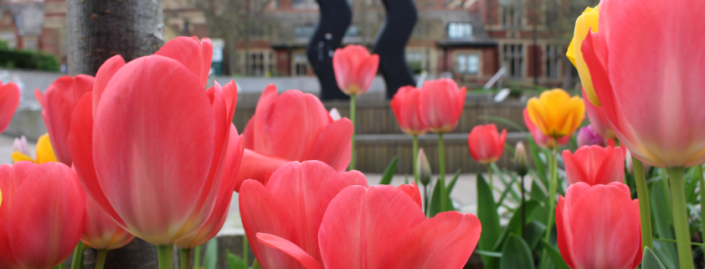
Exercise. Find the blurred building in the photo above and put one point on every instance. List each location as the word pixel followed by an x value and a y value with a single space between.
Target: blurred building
pixel 468 40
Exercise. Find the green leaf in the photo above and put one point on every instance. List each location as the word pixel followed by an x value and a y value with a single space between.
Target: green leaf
pixel 662 221
pixel 211 258
pixel 489 253
pixel 487 213
pixel 538 164
pixel 256 265
pixel 555 256
pixel 235 262
pixel 514 226
pixel 538 194
pixel 516 254
pixel 650 261
pixel 436 205
pixel 503 120
pixel 451 185
pixel 389 171
pixel 534 232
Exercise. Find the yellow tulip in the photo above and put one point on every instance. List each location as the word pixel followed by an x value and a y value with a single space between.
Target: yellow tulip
pixel 586 22
pixel 45 153
pixel 556 113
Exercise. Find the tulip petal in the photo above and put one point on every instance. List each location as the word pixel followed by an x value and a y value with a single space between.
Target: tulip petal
pixel 156 132
pixel 366 72
pixel 9 101
pixel 106 72
pixel 451 233
pixel 100 231
pixel 256 141
pixel 7 259
pixel 361 224
pixel 413 191
pixel 333 146
pixel 263 213
pixel 292 249
pixel 256 166
pixel 192 54
pixel 43 236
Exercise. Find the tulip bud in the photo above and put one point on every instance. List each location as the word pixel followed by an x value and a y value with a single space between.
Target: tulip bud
pixel 20 145
pixel 630 163
pixel 520 162
pixel 423 168
pixel 587 136
pixel 335 114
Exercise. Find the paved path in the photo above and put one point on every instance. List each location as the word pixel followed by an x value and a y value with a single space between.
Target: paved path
pixel 464 194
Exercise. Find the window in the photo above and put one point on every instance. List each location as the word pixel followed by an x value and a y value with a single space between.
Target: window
pixel 304 31
pixel 304 4
pixel 259 30
pixel 512 13
pixel 554 54
pixel 300 64
pixel 353 30
pixel 30 43
pixel 260 63
pixel 514 60
pixel 459 30
pixel 468 63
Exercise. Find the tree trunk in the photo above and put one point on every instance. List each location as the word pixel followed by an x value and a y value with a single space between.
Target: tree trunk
pixel 96 31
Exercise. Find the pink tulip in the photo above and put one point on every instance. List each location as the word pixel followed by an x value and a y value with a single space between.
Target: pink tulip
pixel 486 144
pixel 594 165
pixel 100 231
pixel 441 105
pixel 541 139
pixel 58 103
pixel 598 227
pixel 355 69
pixel 150 145
pixel 598 119
pixel 291 205
pixel 41 214
pixel 405 105
pixel 292 127
pixel 380 227
pixel 654 106
pixel 587 136
pixel 9 101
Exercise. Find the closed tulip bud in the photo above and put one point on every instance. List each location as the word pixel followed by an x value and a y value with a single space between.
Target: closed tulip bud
pixel 334 114
pixel 629 163
pixel 520 162
pixel 588 136
pixel 20 145
pixel 423 167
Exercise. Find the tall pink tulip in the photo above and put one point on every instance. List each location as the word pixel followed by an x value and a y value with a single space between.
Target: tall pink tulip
pixel 594 165
pixel 41 215
pixel 486 144
pixel 58 104
pixel 100 231
pixel 355 69
pixel 441 105
pixel 9 101
pixel 380 227
pixel 541 139
pixel 405 105
pixel 292 127
pixel 598 227
pixel 149 143
pixel 598 119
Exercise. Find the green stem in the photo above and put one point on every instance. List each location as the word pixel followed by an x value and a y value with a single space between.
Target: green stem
pixel 245 248
pixel 642 192
pixel 165 253
pixel 674 241
pixel 425 199
pixel 185 258
pixel 100 258
pixel 197 257
pixel 442 170
pixel 352 118
pixel 77 260
pixel 415 153
pixel 666 187
pixel 489 180
pixel 553 182
pixel 680 218
pixel 699 171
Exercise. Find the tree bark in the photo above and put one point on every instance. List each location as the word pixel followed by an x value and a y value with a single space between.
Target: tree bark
pixel 96 31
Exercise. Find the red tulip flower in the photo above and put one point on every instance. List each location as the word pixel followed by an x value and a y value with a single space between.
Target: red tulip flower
pixel 58 104
pixel 598 227
pixel 9 101
pixel 441 105
pixel 598 119
pixel 654 107
pixel 405 105
pixel 149 143
pixel 100 231
pixel 41 214
pixel 380 227
pixel 355 69
pixel 486 144
pixel 541 139
pixel 292 127
pixel 291 205
pixel 594 165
